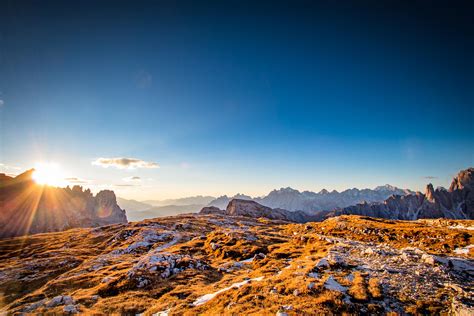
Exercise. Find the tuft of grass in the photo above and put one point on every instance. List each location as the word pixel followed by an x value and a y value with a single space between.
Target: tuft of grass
pixel 358 289
pixel 374 288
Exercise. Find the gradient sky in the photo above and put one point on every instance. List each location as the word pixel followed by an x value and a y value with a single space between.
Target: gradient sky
pixel 233 96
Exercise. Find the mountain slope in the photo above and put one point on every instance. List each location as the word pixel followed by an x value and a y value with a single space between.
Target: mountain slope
pixel 28 208
pixel 231 265
pixel 132 205
pixel 457 202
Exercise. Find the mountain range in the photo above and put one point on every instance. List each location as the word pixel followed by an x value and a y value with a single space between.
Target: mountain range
pixel 457 203
pixel 29 208
pixel 285 198
pixel 312 202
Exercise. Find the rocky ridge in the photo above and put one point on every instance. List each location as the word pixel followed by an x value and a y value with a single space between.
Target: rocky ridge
pixel 457 202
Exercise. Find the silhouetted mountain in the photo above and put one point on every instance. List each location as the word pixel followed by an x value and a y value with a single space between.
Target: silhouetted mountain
pixel 456 203
pixel 132 205
pixel 28 208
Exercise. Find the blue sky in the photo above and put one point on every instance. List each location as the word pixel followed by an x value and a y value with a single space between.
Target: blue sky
pixel 237 97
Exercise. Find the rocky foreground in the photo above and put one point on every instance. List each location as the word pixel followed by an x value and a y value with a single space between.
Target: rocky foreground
pixel 214 264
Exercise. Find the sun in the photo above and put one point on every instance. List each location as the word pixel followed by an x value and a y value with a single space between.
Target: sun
pixel 48 174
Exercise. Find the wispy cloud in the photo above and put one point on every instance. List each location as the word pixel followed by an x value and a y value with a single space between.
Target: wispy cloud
pixel 74 180
pixel 7 167
pixel 430 177
pixel 126 185
pixel 125 163
pixel 132 179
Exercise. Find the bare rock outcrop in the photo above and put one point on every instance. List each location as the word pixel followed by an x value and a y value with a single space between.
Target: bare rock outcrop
pixel 211 210
pixel 248 208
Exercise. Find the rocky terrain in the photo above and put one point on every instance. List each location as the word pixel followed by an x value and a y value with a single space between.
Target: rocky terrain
pixel 233 265
pixel 28 208
pixel 456 202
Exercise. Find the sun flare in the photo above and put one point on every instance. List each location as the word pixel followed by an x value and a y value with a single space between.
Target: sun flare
pixel 48 174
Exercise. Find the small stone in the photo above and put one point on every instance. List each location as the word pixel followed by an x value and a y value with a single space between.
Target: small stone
pixel 70 309
pixel 323 263
pixel 428 259
pixel 369 251
pixel 313 275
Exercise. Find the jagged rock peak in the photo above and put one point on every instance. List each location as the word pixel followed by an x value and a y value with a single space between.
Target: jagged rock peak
pixel 386 187
pixel 430 193
pixel 285 190
pixel 464 179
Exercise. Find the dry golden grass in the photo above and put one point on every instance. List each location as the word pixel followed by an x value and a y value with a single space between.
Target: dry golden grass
pixel 76 263
pixel 374 288
pixel 358 289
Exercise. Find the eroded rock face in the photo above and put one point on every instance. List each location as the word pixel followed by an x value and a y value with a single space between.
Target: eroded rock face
pixel 28 208
pixel 457 202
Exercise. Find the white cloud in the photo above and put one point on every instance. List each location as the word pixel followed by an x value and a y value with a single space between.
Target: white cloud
pixel 125 163
pixel 74 180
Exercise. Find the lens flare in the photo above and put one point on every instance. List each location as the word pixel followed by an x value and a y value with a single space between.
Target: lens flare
pixel 48 174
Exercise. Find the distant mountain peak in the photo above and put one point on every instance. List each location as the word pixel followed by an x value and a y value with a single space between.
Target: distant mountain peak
pixel 386 187
pixel 457 202
pixel 286 190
